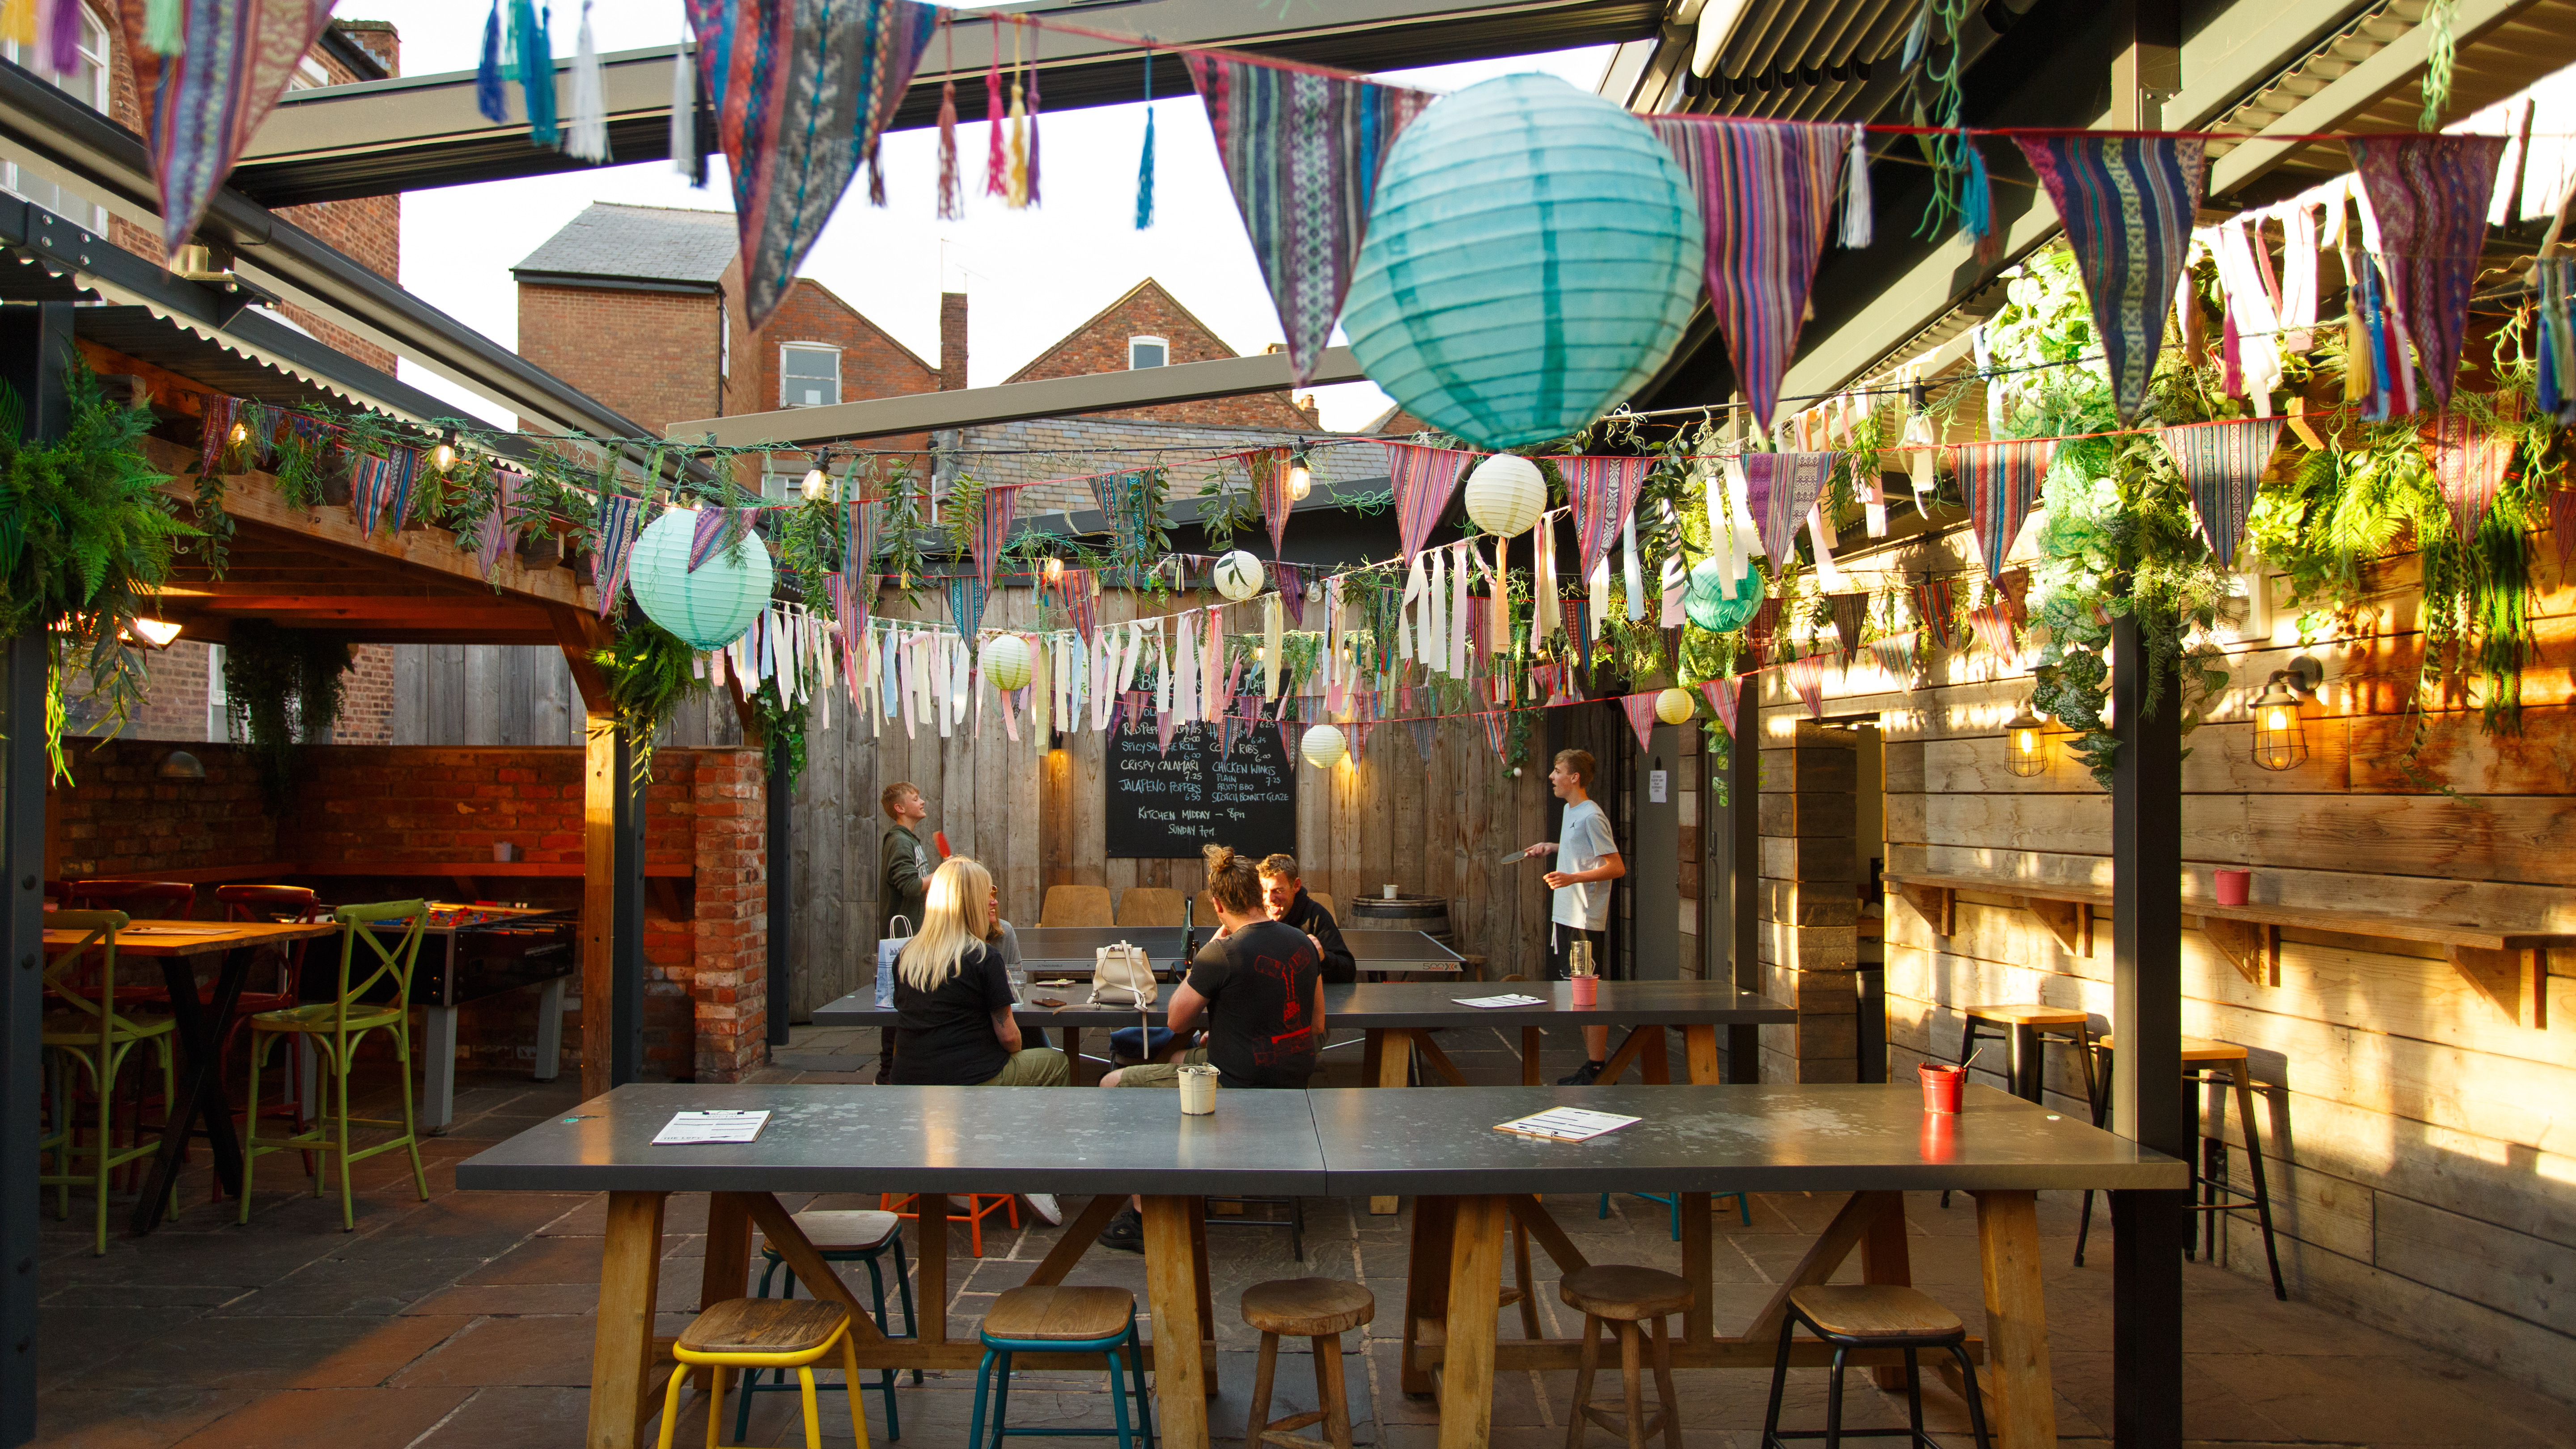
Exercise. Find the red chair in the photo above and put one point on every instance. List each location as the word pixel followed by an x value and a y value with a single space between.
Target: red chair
pixel 142 900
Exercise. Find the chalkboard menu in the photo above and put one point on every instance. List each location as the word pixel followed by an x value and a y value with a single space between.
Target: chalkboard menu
pixel 1171 804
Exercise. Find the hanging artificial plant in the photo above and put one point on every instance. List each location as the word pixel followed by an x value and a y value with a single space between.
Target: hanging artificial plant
pixel 650 674
pixel 284 688
pixel 85 544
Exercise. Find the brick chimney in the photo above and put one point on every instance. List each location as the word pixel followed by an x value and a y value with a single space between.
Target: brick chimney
pixel 952 341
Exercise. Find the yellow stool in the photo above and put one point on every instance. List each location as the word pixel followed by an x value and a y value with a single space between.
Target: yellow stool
pixel 765 1333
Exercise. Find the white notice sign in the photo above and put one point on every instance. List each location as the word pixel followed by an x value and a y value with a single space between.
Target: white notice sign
pixel 1656 786
pixel 689 1128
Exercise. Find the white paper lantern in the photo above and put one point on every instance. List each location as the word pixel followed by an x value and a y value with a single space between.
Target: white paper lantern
pixel 1007 661
pixel 708 608
pixel 1238 576
pixel 1323 747
pixel 1505 494
pixel 1673 706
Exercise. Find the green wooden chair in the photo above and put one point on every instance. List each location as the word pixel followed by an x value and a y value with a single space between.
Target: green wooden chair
pixel 337 1028
pixel 85 1022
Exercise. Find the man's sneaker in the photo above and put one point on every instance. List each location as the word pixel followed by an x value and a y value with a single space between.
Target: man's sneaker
pixel 1126 1232
pixel 1044 1205
pixel 1582 1076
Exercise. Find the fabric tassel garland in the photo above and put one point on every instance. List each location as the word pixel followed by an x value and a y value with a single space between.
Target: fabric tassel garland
pixel 2223 463
pixel 532 56
pixel 685 156
pixel 997 160
pixel 2430 195
pixel 2002 482
pixel 1977 195
pixel 1632 573
pixel 2127 203
pixel 1859 207
pixel 2553 279
pixel 1033 136
pixel 162 26
pixel 587 138
pixel 1145 157
pixel 1016 195
pixel 222 67
pixel 489 98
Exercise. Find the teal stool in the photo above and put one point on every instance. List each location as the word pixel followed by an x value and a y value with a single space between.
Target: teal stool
pixel 840 1236
pixel 1061 1320
pixel 1673 1200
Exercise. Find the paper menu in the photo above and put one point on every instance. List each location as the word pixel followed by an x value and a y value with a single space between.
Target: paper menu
pixel 1566 1124
pixel 1507 999
pixel 688 1128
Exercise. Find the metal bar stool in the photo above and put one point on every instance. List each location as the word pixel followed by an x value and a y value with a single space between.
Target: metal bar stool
pixel 1872 1315
pixel 2026 1032
pixel 1319 1310
pixel 1061 1319
pixel 758 1333
pixel 2217 1064
pixel 841 1236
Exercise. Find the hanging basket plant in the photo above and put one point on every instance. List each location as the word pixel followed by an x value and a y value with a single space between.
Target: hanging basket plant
pixel 650 674
pixel 285 688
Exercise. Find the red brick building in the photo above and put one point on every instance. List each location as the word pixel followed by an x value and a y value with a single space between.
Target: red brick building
pixel 1148 327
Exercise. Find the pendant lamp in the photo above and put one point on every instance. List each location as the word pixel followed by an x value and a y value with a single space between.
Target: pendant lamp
pixel 710 607
pixel 1716 605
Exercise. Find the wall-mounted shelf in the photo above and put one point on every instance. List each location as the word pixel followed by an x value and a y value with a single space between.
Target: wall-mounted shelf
pixel 2507 967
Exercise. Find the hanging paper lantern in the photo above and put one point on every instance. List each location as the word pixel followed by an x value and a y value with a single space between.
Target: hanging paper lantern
pixel 1533 257
pixel 1505 495
pixel 1007 661
pixel 1323 747
pixel 1673 706
pixel 708 608
pixel 1238 576
pixel 1716 605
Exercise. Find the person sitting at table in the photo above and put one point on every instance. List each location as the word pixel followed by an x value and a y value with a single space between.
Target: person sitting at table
pixel 1284 896
pixel 1259 984
pixel 952 996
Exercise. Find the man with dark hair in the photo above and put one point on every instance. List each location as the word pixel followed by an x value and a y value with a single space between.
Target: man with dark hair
pixel 1587 861
pixel 1283 894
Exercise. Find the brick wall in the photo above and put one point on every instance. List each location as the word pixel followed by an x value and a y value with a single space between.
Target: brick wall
pixel 1038 449
pixel 367 702
pixel 873 364
pixel 1100 345
pixel 649 355
pixel 705 960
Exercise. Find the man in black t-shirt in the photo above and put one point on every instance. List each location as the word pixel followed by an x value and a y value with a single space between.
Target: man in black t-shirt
pixel 1259 986
pixel 1284 896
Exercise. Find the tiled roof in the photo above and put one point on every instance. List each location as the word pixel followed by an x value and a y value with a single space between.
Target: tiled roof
pixel 650 243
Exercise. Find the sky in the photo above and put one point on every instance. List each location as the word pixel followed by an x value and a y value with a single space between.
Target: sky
pixel 1033 275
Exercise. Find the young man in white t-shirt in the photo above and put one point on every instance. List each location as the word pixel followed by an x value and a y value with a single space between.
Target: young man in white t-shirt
pixel 1587 860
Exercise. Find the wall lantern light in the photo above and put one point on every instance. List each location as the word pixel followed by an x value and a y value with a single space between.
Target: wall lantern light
pixel 2026 741
pixel 2280 737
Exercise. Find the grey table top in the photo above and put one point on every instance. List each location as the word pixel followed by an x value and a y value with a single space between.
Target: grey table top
pixel 1772 1137
pixel 1630 1003
pixel 918 1139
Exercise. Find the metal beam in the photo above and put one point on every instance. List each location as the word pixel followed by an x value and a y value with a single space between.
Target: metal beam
pixel 417 132
pixel 1052 397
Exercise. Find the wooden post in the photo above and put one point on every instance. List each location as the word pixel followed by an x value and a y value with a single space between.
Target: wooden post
pixel 598 901
pixel 621 1361
pixel 778 881
pixel 1744 871
pixel 35 348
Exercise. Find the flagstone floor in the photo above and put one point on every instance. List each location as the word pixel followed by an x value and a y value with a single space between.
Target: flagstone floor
pixel 462 1322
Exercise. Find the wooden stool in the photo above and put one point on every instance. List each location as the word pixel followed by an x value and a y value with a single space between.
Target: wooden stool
pixel 1319 1310
pixel 1626 1296
pixel 2218 1064
pixel 841 1236
pixel 1873 1315
pixel 759 1333
pixel 1061 1319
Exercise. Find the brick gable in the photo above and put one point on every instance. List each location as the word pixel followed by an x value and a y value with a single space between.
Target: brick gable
pixel 1147 310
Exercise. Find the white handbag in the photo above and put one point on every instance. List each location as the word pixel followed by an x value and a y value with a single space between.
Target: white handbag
pixel 1122 976
pixel 888 950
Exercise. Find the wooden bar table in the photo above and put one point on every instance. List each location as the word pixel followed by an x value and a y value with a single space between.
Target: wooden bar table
pixel 200 1027
pixel 1874 1142
pixel 931 1141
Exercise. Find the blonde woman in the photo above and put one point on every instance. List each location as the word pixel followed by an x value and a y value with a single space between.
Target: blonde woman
pixel 952 1000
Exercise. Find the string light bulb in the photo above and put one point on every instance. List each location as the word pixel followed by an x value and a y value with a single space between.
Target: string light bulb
pixel 818 483
pixel 1301 479
pixel 443 457
pixel 240 434
pixel 1054 570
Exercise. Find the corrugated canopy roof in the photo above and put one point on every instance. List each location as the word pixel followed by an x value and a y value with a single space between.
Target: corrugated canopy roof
pixel 647 243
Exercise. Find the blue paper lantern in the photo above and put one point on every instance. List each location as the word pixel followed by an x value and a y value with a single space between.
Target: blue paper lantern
pixel 707 609
pixel 1717 605
pixel 1532 258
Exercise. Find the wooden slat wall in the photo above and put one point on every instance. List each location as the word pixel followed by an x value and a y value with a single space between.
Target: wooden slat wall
pixel 2414 1133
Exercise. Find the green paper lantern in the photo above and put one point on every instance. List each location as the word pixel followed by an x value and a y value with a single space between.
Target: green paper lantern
pixel 1716 605
pixel 707 609
pixel 1532 258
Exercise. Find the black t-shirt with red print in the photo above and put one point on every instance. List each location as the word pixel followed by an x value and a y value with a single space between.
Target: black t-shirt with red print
pixel 1260 987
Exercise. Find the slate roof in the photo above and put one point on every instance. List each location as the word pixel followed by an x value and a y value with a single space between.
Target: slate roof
pixel 649 243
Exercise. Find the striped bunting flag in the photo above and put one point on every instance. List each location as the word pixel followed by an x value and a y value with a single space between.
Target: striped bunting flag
pixel 1806 675
pixel 1498 731
pixel 1935 603
pixel 991 529
pixel 210 95
pixel 1721 695
pixel 1290 580
pixel 1780 488
pixel 718 529
pixel 2222 463
pixel 382 486
pixel 1993 627
pixel 1604 493
pixel 2002 482
pixel 1269 470
pixel 966 596
pixel 1849 611
pixel 495 532
pixel 1766 195
pixel 1640 709
pixel 1895 654
pixel 614 527
pixel 1424 478
pixel 1421 730
pixel 2430 195
pixel 2127 204
pixel 2468 466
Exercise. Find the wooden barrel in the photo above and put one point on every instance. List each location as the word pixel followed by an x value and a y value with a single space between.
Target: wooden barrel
pixel 1427 914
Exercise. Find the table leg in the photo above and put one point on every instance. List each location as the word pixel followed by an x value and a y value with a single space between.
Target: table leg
pixel 1699 1268
pixel 1475 1299
pixel 200 1029
pixel 438 1067
pixel 550 1029
pixel 726 1270
pixel 1699 1044
pixel 1530 1037
pixel 1393 1048
pixel 1170 1267
pixel 1658 1064
pixel 930 1268
pixel 622 1343
pixel 1372 1051
pixel 1885 1258
pixel 1426 1281
pixel 1073 1052
pixel 1207 1292
pixel 2016 1320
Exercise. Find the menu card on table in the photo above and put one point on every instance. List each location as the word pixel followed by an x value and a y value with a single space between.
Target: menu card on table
pixel 1507 999
pixel 689 1128
pixel 1566 1124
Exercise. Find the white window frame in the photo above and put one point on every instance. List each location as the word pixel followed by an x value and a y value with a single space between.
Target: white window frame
pixel 1142 340
pixel 786 348
pixel 94 49
pixel 219 718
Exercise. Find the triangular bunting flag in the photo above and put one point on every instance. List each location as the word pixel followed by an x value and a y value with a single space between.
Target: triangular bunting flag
pixel 1766 195
pixel 496 532
pixel 2562 523
pixel 2430 195
pixel 1423 479
pixel 966 595
pixel 1849 611
pixel 1290 581
pixel 1269 468
pixel 235 58
pixel 2222 462
pixel 1604 493
pixel 990 531
pixel 614 527
pixel 1126 499
pixel 1302 152
pixel 1640 709
pixel 2468 466
pixel 1934 604
pixel 1780 488
pixel 1806 675
pixel 1578 627
pixel 800 92
pixel 1420 729
pixel 2002 482
pixel 2127 204
pixel 2014 585
pixel 1498 731
pixel 718 530
pixel 1895 654
pixel 1993 628
pixel 1721 701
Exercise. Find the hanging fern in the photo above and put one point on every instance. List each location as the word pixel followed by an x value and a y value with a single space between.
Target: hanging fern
pixel 284 688
pixel 650 674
